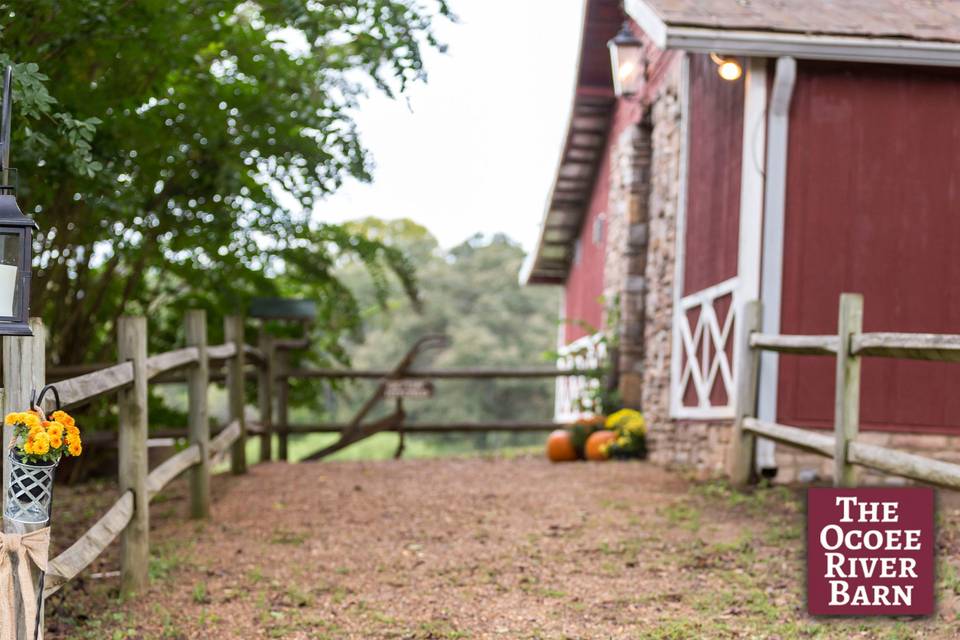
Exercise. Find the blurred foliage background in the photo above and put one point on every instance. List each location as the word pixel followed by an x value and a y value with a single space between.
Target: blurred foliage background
pixel 172 151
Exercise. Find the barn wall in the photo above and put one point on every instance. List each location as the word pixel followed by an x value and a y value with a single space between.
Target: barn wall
pixel 713 186
pixel 872 201
pixel 585 283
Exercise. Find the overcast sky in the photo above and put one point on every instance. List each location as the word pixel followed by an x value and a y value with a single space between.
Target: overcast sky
pixel 476 147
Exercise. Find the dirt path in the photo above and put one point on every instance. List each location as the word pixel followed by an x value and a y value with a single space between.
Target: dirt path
pixel 477 548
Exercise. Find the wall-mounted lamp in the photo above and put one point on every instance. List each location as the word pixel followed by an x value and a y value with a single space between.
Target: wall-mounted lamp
pixel 728 68
pixel 626 56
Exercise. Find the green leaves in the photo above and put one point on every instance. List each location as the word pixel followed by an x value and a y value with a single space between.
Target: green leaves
pixel 174 150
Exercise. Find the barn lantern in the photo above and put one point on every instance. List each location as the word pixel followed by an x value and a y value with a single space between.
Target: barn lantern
pixel 626 57
pixel 16 237
pixel 728 68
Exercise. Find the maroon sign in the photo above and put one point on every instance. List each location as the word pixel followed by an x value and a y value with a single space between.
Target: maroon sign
pixel 870 551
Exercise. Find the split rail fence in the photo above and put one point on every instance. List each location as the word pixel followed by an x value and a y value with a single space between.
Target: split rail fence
pixel 848 347
pixel 128 518
pixel 197 364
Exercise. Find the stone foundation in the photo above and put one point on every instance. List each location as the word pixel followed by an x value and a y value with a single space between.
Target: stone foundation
pixel 697 446
pixel 794 465
pixel 702 447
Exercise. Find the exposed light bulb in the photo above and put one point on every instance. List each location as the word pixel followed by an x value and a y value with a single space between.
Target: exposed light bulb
pixel 730 71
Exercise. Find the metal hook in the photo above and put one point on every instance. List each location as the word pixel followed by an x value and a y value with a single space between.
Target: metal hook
pixel 5 124
pixel 36 401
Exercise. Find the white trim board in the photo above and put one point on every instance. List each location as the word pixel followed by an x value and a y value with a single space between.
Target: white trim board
pixel 680 237
pixel 757 43
pixel 773 233
pixel 752 165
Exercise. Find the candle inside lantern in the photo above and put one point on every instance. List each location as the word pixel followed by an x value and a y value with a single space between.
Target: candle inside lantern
pixel 8 285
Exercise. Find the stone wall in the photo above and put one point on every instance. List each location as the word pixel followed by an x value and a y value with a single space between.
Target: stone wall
pixel 684 444
pixel 626 258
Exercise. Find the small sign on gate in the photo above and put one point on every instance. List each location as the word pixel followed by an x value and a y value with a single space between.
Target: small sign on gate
pixel 408 388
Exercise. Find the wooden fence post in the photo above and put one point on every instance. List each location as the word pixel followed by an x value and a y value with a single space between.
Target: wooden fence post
pixel 132 413
pixel 22 373
pixel 233 332
pixel 265 394
pixel 283 404
pixel 742 444
pixel 846 412
pixel 198 381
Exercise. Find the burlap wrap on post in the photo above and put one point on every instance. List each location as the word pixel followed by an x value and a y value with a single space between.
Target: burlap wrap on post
pixel 25 547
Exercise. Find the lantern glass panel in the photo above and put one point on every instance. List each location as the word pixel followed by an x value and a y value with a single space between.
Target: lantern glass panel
pixel 628 62
pixel 10 252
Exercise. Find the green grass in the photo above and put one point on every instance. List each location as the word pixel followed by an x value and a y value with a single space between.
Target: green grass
pixel 382 446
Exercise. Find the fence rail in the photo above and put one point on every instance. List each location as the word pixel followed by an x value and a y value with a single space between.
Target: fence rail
pixel 198 364
pixel 848 347
pixel 128 517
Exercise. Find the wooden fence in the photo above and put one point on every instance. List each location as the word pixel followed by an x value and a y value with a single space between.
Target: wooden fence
pixel 197 365
pixel 848 347
pixel 128 517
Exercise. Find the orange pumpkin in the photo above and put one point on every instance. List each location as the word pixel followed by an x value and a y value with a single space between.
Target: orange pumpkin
pixel 560 446
pixel 595 442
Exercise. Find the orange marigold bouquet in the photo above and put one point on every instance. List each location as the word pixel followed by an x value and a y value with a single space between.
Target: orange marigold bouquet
pixel 38 440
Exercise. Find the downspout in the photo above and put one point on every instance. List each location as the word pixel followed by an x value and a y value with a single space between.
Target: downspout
pixel 778 123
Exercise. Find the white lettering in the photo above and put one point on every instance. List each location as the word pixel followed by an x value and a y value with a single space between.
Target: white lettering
pixel 824 540
pixel 890 512
pixel 847 502
pixel 902 595
pixel 912 543
pixel 835 565
pixel 838 593
pixel 907 566
pixel 873 539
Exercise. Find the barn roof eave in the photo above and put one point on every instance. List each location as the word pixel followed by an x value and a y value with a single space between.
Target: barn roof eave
pixel 680 33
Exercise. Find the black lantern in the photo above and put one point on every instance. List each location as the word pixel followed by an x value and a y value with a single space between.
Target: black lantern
pixel 626 57
pixel 16 237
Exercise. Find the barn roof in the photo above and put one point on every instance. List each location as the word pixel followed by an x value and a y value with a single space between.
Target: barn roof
pixel 912 19
pixel 925 32
pixel 582 149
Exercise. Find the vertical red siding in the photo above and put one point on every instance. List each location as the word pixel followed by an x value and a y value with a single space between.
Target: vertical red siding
pixel 584 285
pixel 873 196
pixel 713 179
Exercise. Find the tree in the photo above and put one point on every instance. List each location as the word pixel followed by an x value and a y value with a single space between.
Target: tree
pixel 472 294
pixel 173 151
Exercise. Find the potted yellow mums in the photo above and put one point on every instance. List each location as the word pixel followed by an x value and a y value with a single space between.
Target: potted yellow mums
pixel 39 442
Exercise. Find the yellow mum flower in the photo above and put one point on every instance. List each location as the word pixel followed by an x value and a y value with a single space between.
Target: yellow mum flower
pixel 31 419
pixel 14 418
pixel 622 415
pixel 63 418
pixel 72 430
pixel 74 448
pixel 54 429
pixel 28 448
pixel 36 429
pixel 41 443
pixel 56 442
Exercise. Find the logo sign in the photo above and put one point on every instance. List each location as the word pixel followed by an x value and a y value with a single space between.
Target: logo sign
pixel 870 551
pixel 409 389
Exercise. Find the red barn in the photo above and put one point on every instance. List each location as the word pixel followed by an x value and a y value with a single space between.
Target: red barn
pixel 826 159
